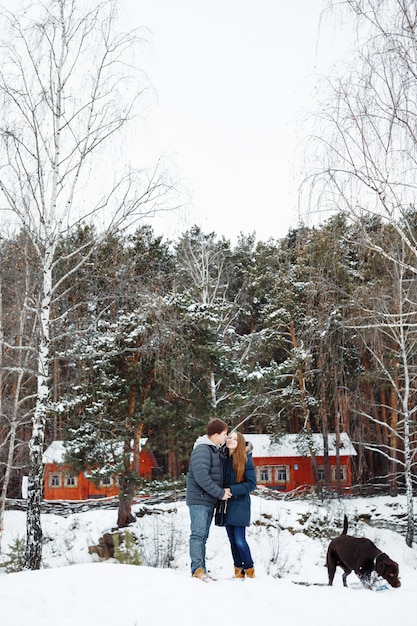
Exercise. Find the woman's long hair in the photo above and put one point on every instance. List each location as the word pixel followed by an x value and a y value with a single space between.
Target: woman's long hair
pixel 240 458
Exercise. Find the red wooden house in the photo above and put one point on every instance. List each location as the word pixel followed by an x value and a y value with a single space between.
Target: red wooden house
pixel 60 482
pixel 287 465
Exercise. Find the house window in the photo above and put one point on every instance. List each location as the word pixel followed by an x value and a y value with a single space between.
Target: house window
pixel 320 471
pixel 106 481
pixel 264 474
pixel 70 480
pixel 342 473
pixel 282 474
pixel 54 480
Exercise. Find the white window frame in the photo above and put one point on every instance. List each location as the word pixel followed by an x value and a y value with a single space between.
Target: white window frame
pixel 70 481
pixel 55 480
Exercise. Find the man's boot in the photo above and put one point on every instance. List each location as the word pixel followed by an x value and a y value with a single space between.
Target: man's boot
pixel 201 575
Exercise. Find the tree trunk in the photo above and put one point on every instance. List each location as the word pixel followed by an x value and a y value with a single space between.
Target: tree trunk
pixel 137 449
pixel 33 554
pixel 7 473
pixel 393 487
pixel 11 450
pixel 337 429
pixel 408 482
pixel 127 489
pixel 325 430
pixel 306 412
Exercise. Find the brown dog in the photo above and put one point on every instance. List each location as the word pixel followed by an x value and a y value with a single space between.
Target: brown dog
pixel 361 556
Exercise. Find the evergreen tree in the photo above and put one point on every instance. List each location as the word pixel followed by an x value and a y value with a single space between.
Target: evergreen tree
pixel 119 364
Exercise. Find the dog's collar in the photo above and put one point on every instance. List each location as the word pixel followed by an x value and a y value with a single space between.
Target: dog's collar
pixel 377 557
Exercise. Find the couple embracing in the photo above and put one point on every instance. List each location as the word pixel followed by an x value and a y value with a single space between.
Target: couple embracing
pixel 221 470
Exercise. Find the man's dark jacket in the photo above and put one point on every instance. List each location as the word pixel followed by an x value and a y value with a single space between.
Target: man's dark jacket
pixel 205 474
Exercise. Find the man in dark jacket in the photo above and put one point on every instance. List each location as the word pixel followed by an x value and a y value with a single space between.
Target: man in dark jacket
pixel 204 488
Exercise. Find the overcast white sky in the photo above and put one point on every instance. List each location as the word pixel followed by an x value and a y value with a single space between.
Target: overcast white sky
pixel 233 78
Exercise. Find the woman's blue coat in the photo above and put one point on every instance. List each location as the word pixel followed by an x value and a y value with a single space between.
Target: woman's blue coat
pixel 238 506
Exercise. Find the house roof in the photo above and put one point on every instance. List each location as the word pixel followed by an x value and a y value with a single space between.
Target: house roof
pixel 55 452
pixel 296 445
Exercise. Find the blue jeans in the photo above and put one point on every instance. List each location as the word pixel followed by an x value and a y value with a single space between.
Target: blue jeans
pixel 201 517
pixel 240 550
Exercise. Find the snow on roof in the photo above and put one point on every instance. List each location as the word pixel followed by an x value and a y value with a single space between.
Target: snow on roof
pixel 55 452
pixel 294 445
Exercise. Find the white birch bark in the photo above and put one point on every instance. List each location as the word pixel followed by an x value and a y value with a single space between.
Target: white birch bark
pixel 36 445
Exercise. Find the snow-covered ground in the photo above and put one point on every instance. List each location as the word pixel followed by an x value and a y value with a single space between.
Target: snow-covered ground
pixel 288 546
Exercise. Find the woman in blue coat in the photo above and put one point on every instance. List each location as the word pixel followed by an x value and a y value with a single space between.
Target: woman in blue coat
pixel 240 477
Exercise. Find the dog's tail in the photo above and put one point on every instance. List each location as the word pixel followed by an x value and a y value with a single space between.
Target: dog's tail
pixel 345 525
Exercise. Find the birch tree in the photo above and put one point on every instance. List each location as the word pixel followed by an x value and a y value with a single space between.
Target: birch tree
pixel 204 270
pixel 364 149
pixel 68 88
pixel 366 152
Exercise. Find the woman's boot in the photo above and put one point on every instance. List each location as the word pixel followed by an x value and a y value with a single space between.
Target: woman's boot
pixel 239 572
pixel 250 572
